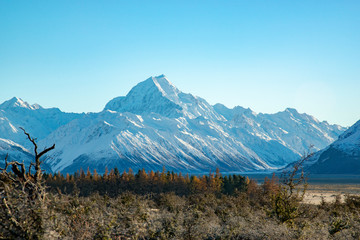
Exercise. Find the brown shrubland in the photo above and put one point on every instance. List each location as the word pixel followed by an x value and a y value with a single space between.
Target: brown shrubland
pixel 165 205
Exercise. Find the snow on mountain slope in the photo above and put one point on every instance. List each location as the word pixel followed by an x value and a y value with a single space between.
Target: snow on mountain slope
pixel 159 95
pixel 18 103
pixel 38 121
pixel 18 153
pixel 152 141
pixel 341 157
pixel 302 130
pixel 349 141
pixel 14 150
pixel 289 133
pixel 228 113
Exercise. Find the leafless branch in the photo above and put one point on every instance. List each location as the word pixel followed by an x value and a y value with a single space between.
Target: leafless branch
pixel 6 164
pixel 38 171
pixel 31 139
pixel 46 150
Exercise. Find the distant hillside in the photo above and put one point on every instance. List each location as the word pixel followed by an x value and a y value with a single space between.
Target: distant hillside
pixel 342 156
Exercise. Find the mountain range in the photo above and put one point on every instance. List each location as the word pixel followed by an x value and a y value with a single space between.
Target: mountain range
pixel 157 125
pixel 340 157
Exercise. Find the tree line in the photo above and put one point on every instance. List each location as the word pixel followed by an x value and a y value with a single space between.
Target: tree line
pixel 114 182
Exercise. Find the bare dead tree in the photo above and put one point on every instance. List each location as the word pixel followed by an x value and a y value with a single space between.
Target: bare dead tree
pixel 30 181
pixel 293 186
pixel 37 165
pixel 296 177
pixel 22 196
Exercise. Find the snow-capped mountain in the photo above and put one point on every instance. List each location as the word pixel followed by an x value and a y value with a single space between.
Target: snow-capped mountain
pixel 341 157
pixel 290 129
pixel 159 95
pixel 151 141
pixel 157 125
pixel 40 122
pixel 14 151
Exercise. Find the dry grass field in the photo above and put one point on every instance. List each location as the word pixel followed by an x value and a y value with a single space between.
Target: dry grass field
pixel 328 192
pixel 323 186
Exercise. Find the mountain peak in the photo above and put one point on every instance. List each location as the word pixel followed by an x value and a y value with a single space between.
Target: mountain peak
pixel 18 103
pixel 229 114
pixel 352 134
pixel 158 86
pixel 163 85
pixel 161 76
pixel 155 94
pixel 291 110
pixel 159 95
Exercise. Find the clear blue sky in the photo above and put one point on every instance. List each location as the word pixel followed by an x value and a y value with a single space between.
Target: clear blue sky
pixel 266 55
